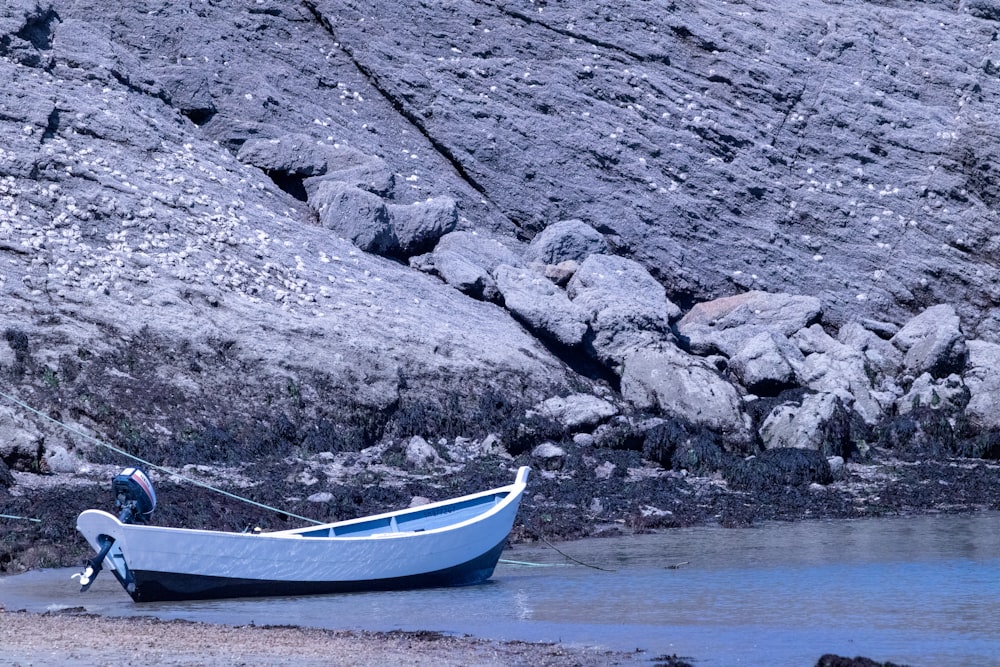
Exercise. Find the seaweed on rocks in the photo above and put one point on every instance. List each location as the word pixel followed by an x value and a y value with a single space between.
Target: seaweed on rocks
pixel 923 432
pixel 778 468
pixel 678 444
pixel 832 660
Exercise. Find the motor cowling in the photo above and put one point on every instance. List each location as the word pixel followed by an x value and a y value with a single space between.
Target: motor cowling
pixel 135 497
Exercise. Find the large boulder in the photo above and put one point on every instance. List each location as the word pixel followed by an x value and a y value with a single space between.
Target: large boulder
pixel 566 240
pixel 819 421
pixel 626 307
pixel 419 226
pixel 356 215
pixel 933 342
pixel 724 325
pixel 982 377
pixel 543 307
pixel 478 248
pixel 839 370
pixel 464 275
pixel 681 385
pixel 299 163
pixel 882 358
pixel 576 410
pixel 291 154
pixel 466 261
pixel 935 393
pixel 767 364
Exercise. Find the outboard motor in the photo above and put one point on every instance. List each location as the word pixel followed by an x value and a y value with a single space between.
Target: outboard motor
pixel 135 500
pixel 134 496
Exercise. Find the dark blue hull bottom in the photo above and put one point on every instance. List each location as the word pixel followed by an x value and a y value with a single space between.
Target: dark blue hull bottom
pixel 163 586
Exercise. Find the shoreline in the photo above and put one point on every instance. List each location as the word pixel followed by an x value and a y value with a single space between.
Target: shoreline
pixel 85 639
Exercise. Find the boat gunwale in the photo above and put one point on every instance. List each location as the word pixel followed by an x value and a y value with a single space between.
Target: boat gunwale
pixel 513 492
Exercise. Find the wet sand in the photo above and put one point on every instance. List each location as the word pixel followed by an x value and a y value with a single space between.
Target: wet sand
pixel 86 640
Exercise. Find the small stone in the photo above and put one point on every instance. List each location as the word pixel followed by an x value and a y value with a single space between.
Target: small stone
pixel 549 455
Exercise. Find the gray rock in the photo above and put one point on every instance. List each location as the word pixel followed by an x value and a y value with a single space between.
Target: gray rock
pixel 421 454
pixel 373 176
pixel 478 248
pixel 321 497
pixel 465 276
pixel 293 154
pixel 724 325
pixel 21 438
pixel 544 308
pixel 62 460
pixel 419 226
pixel 681 385
pixel 549 456
pixel 562 272
pixel 841 371
pixel 605 470
pixel 814 339
pixel 882 358
pixel 982 377
pixel 767 364
pixel 576 410
pixel 626 308
pixel 984 9
pixel 188 89
pixel 491 446
pixel 933 342
pixel 356 215
pixel 566 240
pixel 837 467
pixel 313 161
pixel 884 330
pixel 935 393
pixel 466 261
pixel 716 164
pixel 799 426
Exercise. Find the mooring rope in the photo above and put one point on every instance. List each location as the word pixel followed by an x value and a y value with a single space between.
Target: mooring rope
pixel 561 553
pixel 575 560
pixel 151 465
pixel 524 562
pixel 21 518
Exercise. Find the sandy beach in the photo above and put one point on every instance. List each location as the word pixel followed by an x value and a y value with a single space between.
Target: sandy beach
pixel 69 638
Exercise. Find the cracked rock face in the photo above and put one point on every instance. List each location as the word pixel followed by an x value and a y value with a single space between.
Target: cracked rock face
pixel 845 150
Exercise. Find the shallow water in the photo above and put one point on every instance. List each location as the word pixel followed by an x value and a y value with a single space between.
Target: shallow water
pixel 921 591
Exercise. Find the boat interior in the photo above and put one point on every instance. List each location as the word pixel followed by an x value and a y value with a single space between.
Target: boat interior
pixel 414 520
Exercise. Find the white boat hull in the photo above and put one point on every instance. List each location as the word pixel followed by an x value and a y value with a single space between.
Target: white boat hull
pixel 456 542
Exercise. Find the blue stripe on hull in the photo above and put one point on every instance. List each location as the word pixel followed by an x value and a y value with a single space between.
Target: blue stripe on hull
pixel 164 586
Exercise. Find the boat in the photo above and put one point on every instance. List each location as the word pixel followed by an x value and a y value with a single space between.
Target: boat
pixel 454 542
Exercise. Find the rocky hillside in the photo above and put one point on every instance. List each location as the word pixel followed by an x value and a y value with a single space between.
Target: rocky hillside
pixel 356 236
